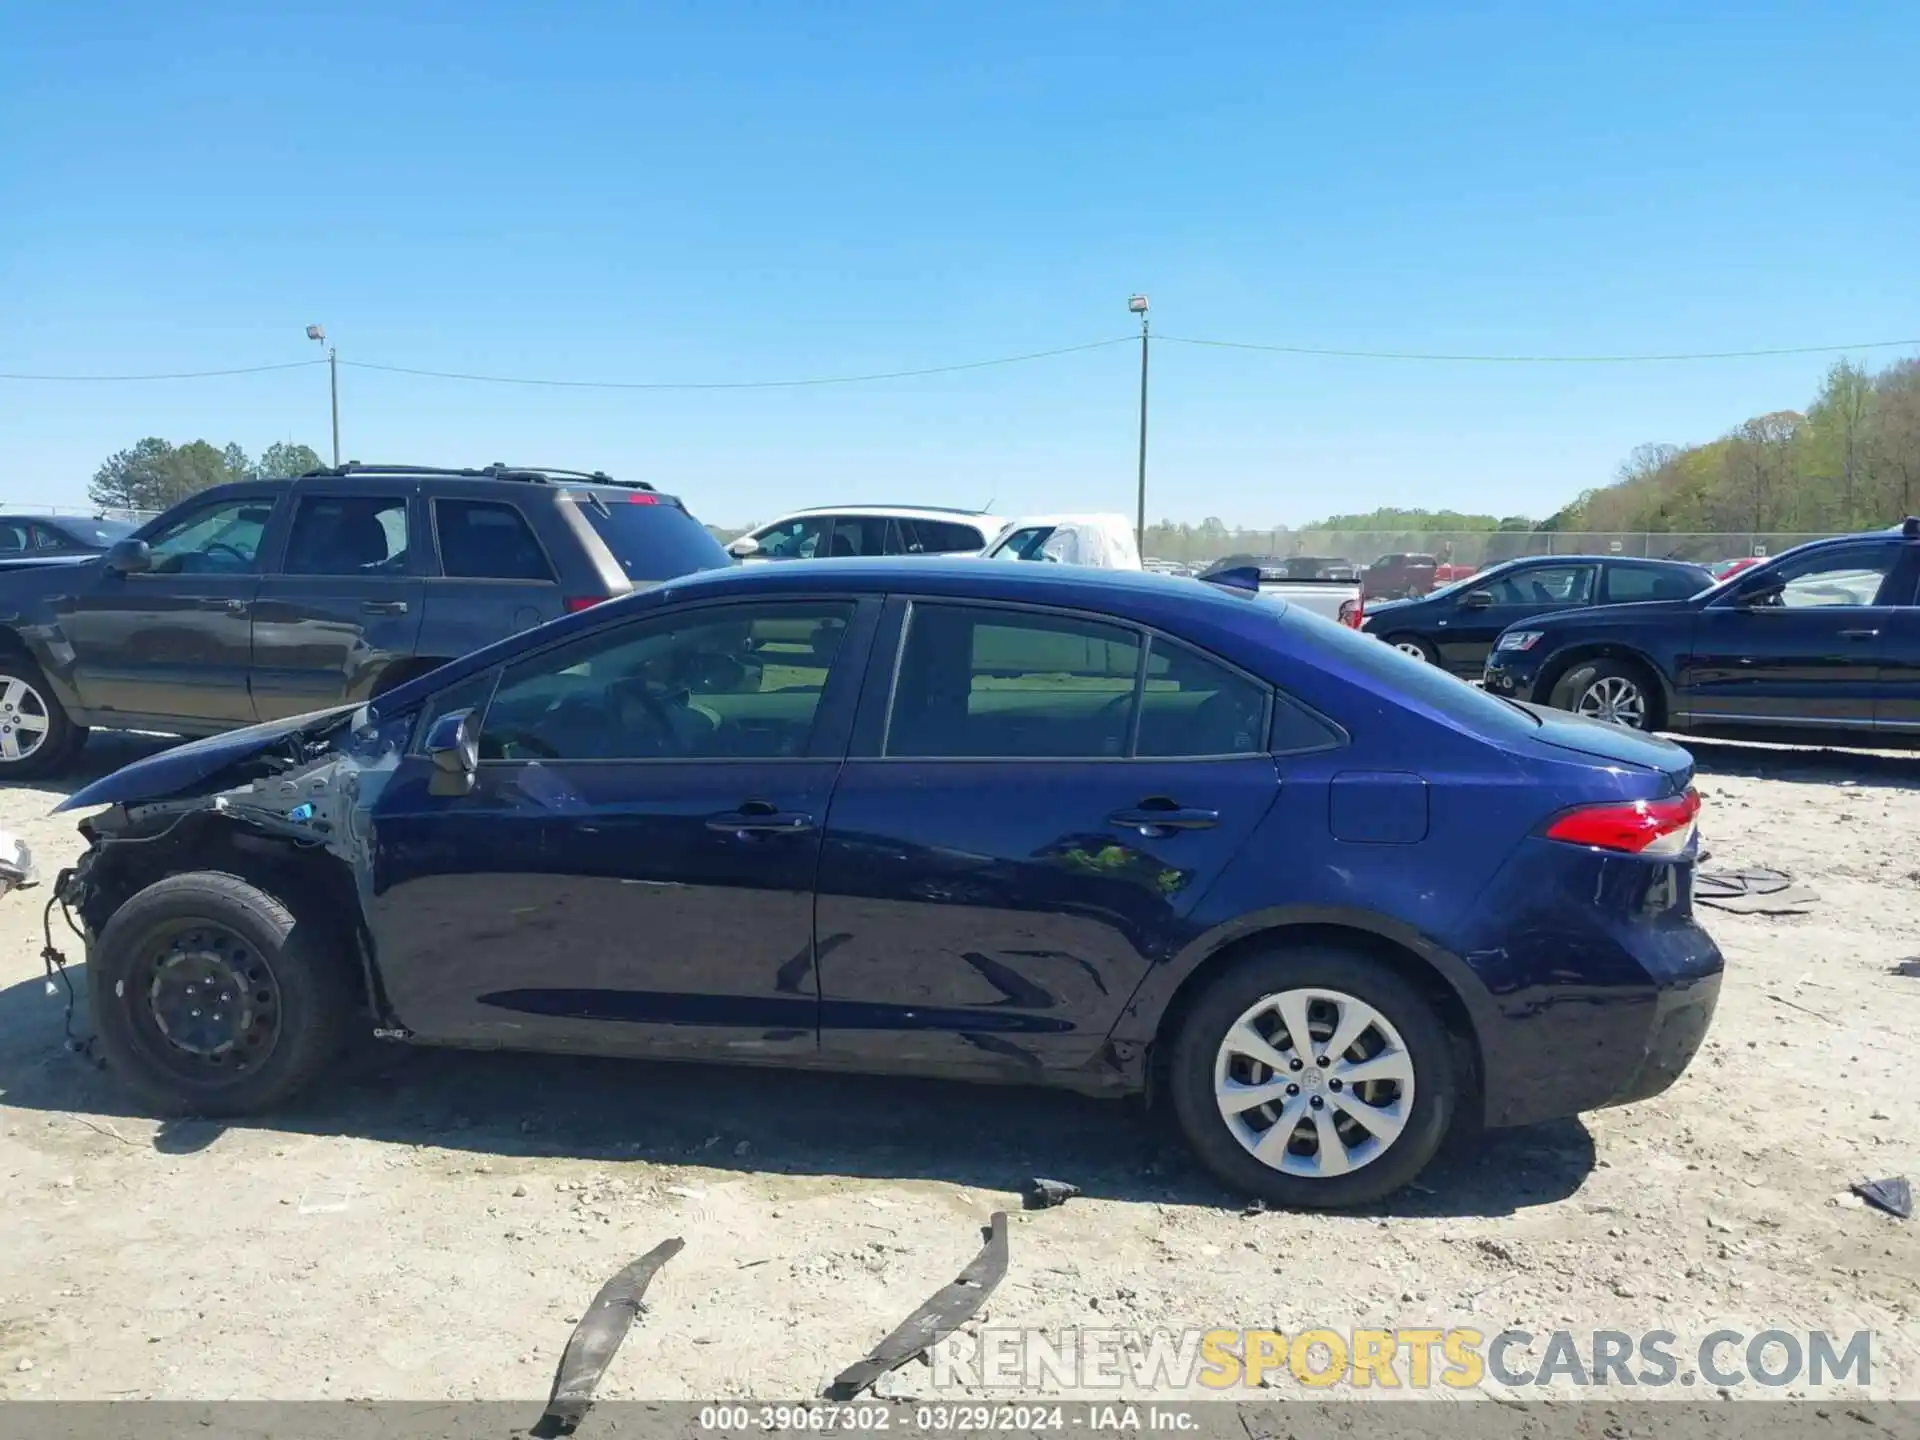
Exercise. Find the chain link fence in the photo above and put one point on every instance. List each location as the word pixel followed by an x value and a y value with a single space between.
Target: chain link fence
pixel 93 512
pixel 1466 548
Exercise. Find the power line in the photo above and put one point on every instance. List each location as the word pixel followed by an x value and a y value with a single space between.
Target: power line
pixel 176 375
pixel 1539 359
pixel 736 384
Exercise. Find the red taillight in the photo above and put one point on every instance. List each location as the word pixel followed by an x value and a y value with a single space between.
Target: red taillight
pixel 1645 827
pixel 640 498
pixel 583 602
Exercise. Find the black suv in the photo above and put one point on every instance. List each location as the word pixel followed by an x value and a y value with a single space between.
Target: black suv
pixel 1820 643
pixel 264 599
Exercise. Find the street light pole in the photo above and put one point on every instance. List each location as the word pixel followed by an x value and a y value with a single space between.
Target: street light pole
pixel 1138 305
pixel 318 334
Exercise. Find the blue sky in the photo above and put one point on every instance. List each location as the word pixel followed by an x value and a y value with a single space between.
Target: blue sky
pixel 736 191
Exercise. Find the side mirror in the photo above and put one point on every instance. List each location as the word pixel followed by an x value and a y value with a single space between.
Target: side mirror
pixel 743 547
pixel 128 557
pixel 453 744
pixel 1476 599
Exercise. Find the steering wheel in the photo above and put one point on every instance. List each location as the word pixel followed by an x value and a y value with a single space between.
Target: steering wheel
pixel 233 550
pixel 656 708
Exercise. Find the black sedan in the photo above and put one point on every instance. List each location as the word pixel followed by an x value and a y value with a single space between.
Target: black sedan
pixel 1822 642
pixel 27 537
pixel 1455 626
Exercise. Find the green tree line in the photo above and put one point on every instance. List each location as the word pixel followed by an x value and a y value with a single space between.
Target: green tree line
pixel 155 473
pixel 1850 461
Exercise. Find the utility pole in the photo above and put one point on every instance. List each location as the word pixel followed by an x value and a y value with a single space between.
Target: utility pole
pixel 1138 305
pixel 318 334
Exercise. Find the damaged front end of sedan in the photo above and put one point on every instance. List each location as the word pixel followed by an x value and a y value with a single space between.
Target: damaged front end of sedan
pixel 284 807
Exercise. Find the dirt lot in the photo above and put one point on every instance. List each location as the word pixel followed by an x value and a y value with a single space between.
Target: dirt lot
pixel 433 1229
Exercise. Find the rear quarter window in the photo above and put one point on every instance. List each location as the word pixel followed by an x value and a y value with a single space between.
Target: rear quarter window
pixel 487 540
pixel 651 539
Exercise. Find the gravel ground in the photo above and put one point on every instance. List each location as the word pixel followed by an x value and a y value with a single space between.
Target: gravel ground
pixel 433 1228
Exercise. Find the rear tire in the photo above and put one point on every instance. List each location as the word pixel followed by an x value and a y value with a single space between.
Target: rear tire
pixel 1363 1140
pixel 1618 691
pixel 37 739
pixel 1413 645
pixel 210 998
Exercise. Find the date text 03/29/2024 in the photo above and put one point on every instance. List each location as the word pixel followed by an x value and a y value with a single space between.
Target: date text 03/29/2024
pixel 937 1419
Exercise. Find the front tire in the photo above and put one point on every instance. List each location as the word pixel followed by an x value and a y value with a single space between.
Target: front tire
pixel 210 998
pixel 1292 1120
pixel 1617 691
pixel 37 738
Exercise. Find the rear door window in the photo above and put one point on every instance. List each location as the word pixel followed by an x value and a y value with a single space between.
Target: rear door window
pixel 487 540
pixel 992 683
pixel 1192 705
pixel 651 539
pixel 859 535
pixel 946 537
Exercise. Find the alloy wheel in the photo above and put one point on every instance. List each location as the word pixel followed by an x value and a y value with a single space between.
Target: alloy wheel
pixel 1616 699
pixel 24 721
pixel 1411 647
pixel 1313 1082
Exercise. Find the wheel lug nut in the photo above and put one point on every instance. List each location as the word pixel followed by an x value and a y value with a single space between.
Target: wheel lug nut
pixel 1317 1102
pixel 1295 1063
pixel 1322 1062
pixel 1333 1084
pixel 1293 1089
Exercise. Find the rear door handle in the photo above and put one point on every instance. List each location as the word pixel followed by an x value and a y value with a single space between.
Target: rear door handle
pixel 385 607
pixel 760 820
pixel 1163 819
pixel 1858 634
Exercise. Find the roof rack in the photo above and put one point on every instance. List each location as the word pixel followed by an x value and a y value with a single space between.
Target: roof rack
pixel 499 470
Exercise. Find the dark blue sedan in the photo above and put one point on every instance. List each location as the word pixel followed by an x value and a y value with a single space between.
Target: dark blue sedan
pixel 993 822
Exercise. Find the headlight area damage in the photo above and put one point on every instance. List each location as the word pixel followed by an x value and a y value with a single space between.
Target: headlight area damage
pixel 283 807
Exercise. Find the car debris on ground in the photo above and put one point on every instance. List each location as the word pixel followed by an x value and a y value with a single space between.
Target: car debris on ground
pixel 945 1312
pixel 1753 891
pixel 1044 1194
pixel 1893 1195
pixel 597 1337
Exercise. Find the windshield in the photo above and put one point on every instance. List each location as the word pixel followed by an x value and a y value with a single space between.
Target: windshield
pixel 1027 544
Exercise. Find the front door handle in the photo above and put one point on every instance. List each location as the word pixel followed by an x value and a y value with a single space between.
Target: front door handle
pixel 757 818
pixel 384 607
pixel 1858 634
pixel 1163 817
pixel 226 607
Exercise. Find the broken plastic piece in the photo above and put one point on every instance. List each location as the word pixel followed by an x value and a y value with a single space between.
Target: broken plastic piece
pixel 1752 892
pixel 945 1312
pixel 1043 1194
pixel 1909 967
pixel 596 1337
pixel 1894 1195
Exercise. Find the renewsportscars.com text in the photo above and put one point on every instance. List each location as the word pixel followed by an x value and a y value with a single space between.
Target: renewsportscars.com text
pixel 1409 1358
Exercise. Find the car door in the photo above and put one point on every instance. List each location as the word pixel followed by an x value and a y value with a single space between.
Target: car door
pixel 633 869
pixel 1035 803
pixel 1795 644
pixel 1483 609
pixel 172 644
pixel 487 576
pixel 1897 687
pixel 804 537
pixel 344 602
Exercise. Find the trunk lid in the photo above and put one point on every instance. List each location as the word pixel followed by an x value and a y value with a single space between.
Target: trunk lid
pixel 1616 744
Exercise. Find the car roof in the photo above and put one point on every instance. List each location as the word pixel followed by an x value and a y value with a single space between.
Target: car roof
pixel 897 512
pixel 1081 586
